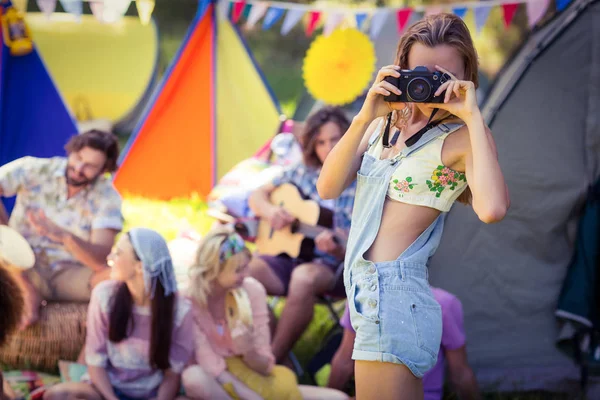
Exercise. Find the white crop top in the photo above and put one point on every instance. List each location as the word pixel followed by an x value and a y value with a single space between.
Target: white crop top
pixel 421 178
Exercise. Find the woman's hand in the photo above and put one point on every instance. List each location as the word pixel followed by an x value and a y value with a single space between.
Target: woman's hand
pixel 242 338
pixel 374 105
pixel 460 98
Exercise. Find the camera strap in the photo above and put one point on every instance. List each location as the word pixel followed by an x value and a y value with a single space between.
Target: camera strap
pixel 414 138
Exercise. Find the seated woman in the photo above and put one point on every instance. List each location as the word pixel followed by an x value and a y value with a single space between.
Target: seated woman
pixel 233 352
pixel 303 279
pixel 139 331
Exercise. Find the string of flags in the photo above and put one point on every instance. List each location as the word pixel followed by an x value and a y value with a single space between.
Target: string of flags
pixel 106 11
pixel 371 20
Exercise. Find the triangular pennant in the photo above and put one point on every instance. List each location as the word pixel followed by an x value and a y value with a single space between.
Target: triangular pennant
pixel 222 8
pixel 74 7
pixel 377 22
pixel 272 16
pixel 293 16
pixel 562 4
pixel 481 15
pixel 97 7
pixel 360 20
pixel 460 11
pixel 114 10
pixel 433 10
pixel 20 5
pixel 402 17
pixel 536 10
pixel 332 22
pixel 256 12
pixel 313 20
pixel 238 8
pixel 144 9
pixel 47 6
pixel 509 13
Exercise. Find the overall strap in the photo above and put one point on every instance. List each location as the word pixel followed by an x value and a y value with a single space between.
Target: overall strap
pixel 431 134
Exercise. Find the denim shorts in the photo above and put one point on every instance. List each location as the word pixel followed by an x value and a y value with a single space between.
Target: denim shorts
pixel 394 314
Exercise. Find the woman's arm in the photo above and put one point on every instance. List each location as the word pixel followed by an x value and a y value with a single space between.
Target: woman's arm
pixel 490 194
pixel 169 387
pixel 341 165
pixel 343 162
pixel 101 382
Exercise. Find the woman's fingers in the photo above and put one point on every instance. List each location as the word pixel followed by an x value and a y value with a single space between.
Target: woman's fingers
pixel 442 87
pixel 387 71
pixel 449 91
pixel 457 90
pixel 391 88
pixel 379 90
pixel 450 74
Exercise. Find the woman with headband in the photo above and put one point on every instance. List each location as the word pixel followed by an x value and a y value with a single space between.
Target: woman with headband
pixel 233 344
pixel 139 331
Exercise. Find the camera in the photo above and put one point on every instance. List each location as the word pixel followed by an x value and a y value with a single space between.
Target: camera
pixel 417 86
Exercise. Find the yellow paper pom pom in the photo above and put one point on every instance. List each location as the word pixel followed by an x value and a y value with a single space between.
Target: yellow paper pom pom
pixel 337 68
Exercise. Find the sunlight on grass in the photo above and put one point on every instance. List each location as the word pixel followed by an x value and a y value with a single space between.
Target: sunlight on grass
pixel 167 217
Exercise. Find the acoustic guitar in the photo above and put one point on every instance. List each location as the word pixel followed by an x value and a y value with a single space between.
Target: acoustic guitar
pixel 295 240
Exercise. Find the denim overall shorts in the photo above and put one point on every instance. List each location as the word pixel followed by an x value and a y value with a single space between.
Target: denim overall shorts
pixel 392 308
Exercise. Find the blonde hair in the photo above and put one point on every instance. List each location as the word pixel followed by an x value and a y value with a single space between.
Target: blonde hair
pixel 207 265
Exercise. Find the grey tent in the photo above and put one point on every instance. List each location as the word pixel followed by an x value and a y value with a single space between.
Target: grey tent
pixel 544 111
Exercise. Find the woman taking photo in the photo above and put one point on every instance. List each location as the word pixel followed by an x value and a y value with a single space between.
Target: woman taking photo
pixel 139 331
pixel 411 164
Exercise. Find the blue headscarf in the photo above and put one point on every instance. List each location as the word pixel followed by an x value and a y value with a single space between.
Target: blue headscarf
pixel 153 251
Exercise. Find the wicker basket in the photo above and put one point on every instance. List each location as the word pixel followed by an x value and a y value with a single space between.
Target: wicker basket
pixel 58 335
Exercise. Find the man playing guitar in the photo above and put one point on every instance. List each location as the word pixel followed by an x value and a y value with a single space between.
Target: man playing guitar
pixel 306 277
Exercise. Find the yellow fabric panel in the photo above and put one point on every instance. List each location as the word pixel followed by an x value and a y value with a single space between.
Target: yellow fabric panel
pixel 281 384
pixel 246 114
pixel 105 67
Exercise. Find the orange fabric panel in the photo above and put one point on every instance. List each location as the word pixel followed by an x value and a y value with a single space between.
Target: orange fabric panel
pixel 173 155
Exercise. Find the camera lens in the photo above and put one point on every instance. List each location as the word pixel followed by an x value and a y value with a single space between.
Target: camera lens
pixel 418 89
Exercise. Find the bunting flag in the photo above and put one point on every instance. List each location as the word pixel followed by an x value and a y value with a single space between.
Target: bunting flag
pixel 536 10
pixel 334 19
pixel 403 16
pixel 313 20
pixel 481 15
pixel 145 9
pixel 562 4
pixel 256 13
pixel 460 12
pixel 74 7
pixel 223 8
pixel 360 19
pixel 509 13
pixel 47 6
pixel 291 19
pixel 273 15
pixel 238 8
pixel 377 22
pixel 98 9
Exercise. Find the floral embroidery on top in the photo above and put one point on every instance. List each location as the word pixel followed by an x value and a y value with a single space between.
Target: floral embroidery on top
pixel 444 177
pixel 404 185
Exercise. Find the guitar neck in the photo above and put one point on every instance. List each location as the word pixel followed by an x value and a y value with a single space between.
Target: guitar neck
pixel 310 231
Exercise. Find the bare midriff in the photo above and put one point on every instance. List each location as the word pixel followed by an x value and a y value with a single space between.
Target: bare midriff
pixel 401 225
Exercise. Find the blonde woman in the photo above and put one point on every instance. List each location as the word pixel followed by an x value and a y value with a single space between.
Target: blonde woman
pixel 233 352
